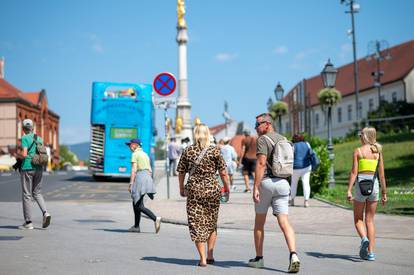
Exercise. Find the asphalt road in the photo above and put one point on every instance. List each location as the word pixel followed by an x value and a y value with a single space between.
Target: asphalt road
pixel 88 235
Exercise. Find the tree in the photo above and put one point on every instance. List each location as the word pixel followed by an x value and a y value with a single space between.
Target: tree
pixel 66 156
pixel 279 108
pixel 159 150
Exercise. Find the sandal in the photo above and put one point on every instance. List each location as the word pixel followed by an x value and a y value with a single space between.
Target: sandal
pixel 201 264
pixel 210 261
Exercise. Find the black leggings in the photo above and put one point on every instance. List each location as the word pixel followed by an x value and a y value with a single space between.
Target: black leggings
pixel 138 208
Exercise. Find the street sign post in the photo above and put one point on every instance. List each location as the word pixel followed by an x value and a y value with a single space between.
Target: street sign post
pixel 164 84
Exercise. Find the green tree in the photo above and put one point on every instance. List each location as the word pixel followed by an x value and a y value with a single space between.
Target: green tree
pixel 66 156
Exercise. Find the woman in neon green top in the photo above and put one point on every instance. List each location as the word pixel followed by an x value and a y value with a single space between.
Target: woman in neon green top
pixel 141 184
pixel 366 160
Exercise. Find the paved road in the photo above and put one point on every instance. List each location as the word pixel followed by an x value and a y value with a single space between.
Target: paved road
pixel 88 236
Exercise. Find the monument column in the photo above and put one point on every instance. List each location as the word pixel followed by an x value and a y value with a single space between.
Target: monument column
pixel 183 115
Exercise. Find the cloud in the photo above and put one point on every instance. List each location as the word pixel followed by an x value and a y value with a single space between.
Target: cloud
pixel 346 49
pixel 225 57
pixel 96 44
pixel 280 50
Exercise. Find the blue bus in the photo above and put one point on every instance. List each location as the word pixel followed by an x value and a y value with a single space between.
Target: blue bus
pixel 119 112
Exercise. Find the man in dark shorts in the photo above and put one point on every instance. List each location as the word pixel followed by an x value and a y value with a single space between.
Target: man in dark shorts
pixel 248 158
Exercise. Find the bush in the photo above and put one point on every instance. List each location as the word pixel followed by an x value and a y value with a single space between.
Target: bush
pixel 319 178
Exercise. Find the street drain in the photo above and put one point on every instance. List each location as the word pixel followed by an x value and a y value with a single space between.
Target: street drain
pixel 10 238
pixel 94 221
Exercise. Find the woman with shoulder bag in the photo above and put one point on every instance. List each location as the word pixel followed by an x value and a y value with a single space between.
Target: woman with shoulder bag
pixel 367 172
pixel 202 190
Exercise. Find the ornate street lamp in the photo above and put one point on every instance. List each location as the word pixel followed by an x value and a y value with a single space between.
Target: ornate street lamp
pixel 329 97
pixel 279 91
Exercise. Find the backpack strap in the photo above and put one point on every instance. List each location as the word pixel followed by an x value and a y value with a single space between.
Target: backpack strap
pixel 31 146
pixel 274 145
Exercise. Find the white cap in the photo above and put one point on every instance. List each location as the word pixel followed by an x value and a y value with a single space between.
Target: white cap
pixel 28 123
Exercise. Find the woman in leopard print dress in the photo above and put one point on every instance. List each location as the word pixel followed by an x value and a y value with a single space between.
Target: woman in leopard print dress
pixel 202 190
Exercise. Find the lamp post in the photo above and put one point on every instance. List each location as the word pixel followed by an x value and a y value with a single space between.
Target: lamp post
pixel 329 78
pixel 379 51
pixel 354 8
pixel 279 95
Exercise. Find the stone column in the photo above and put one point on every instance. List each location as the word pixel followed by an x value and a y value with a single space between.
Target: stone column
pixel 183 103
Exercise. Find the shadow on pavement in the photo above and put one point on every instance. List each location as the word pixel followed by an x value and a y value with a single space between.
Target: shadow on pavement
pixel 334 256
pixel 223 264
pixel 9 227
pixel 117 230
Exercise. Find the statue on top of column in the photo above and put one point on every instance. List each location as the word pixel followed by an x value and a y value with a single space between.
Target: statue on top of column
pixel 180 13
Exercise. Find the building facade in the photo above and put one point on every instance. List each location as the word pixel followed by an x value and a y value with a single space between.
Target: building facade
pixel 397 84
pixel 15 106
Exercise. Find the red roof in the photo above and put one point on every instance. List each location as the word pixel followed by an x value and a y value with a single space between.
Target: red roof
pixel 8 91
pixel 401 63
pixel 215 129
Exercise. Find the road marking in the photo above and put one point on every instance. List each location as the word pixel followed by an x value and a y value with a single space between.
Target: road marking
pixel 6 174
pixel 8 181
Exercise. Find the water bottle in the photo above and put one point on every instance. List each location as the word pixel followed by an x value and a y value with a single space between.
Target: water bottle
pixel 224 195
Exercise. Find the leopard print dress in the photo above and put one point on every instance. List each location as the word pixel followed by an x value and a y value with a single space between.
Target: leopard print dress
pixel 203 190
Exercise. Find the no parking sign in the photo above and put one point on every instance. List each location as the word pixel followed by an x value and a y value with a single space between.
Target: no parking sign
pixel 164 84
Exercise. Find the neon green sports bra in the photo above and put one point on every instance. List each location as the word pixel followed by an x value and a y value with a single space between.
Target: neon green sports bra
pixel 366 165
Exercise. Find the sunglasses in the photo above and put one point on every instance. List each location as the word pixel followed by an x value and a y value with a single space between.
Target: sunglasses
pixel 259 123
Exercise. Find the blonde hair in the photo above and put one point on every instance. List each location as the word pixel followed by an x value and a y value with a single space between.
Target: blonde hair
pixel 369 136
pixel 202 136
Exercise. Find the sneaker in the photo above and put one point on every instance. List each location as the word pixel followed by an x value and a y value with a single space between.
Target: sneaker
pixel 247 190
pixel 306 204
pixel 26 226
pixel 157 224
pixel 46 220
pixel 134 229
pixel 294 264
pixel 233 187
pixel 371 256
pixel 363 249
pixel 256 263
pixel 292 202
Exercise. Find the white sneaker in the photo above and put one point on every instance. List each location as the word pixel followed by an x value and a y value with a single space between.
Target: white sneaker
pixel 157 224
pixel 294 264
pixel 46 220
pixel 134 229
pixel 306 205
pixel 26 226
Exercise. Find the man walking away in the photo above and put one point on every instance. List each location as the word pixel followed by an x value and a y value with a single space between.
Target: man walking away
pixel 173 154
pixel 270 190
pixel 248 158
pixel 31 177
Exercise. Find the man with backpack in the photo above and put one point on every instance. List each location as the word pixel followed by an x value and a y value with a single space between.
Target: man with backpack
pixel 274 164
pixel 34 158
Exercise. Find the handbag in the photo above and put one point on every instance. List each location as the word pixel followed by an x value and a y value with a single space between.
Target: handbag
pixel 314 160
pixel 366 186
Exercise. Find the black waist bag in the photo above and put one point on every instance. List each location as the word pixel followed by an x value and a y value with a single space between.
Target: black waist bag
pixel 366 186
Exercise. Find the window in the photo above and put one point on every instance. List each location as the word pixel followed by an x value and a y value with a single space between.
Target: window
pixel 317 120
pixel 287 127
pixel 394 97
pixel 382 98
pixel 360 108
pixel 339 115
pixel 371 104
pixel 349 112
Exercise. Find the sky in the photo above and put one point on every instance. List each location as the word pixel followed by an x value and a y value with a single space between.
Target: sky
pixel 237 52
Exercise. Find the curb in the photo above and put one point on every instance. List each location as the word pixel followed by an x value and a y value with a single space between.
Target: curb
pixel 331 203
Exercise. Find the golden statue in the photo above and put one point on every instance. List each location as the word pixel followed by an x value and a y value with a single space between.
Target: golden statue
pixel 197 121
pixel 178 125
pixel 180 13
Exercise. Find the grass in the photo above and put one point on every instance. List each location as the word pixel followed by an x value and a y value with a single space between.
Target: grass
pixel 398 153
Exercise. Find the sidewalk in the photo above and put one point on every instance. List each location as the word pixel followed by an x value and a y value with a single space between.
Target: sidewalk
pixel 320 218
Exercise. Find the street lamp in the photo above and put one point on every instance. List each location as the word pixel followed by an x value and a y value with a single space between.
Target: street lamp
pixel 329 78
pixel 379 51
pixel 354 8
pixel 279 95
